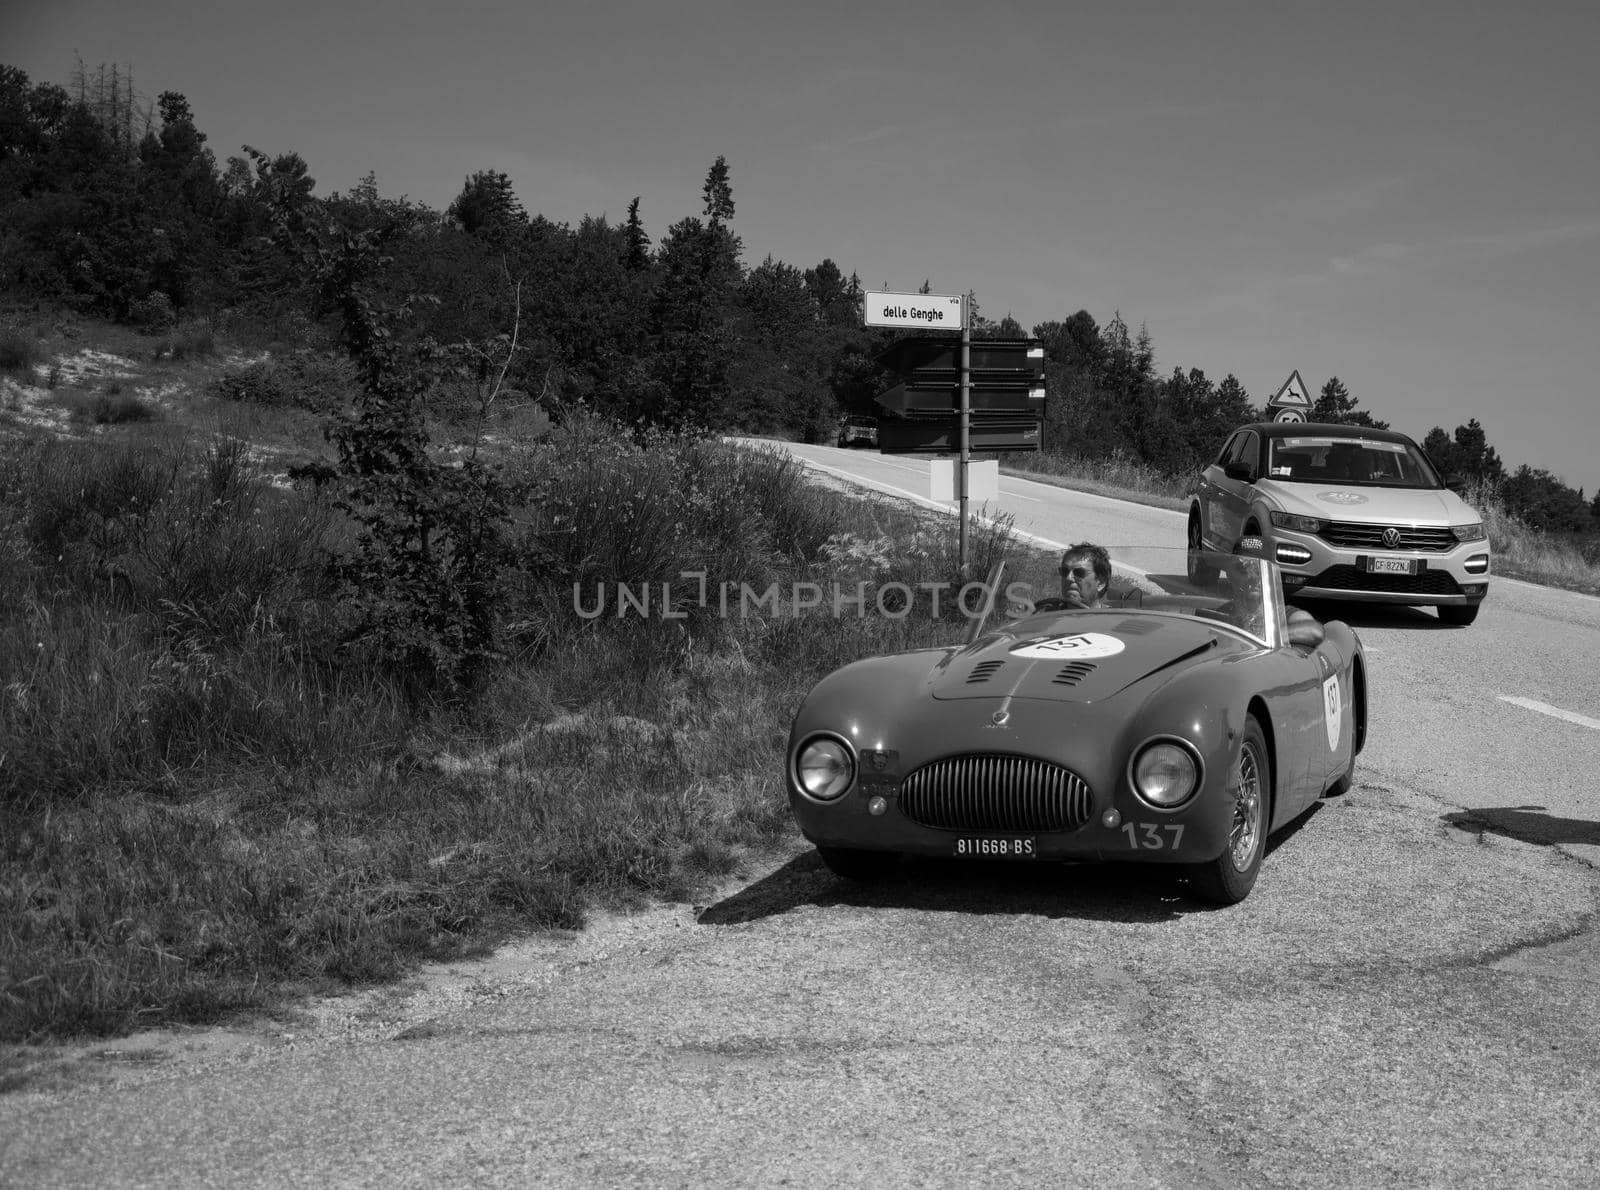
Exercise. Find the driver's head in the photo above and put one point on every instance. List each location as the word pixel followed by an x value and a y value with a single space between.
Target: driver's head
pixel 1085 575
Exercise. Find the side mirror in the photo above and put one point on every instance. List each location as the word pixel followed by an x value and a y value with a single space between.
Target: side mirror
pixel 1456 484
pixel 1239 471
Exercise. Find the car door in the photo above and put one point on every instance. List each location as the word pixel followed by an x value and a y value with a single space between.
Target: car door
pixel 1209 493
pixel 1230 496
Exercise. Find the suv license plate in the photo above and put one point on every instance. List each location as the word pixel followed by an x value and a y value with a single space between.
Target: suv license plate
pixel 996 847
pixel 1391 565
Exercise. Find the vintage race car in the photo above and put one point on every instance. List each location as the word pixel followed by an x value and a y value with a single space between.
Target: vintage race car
pixel 1176 725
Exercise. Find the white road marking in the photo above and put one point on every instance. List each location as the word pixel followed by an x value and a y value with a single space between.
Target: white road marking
pixel 1545 708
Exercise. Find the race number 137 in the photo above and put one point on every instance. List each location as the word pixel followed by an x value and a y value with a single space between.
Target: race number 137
pixel 1153 836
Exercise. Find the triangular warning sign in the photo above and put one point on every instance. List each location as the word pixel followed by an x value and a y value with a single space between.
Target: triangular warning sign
pixel 1292 395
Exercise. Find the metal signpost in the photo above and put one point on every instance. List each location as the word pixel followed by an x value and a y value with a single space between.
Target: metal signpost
pixel 956 396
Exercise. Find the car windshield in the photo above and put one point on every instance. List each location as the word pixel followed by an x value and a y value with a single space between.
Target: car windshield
pixel 1240 593
pixel 1368 462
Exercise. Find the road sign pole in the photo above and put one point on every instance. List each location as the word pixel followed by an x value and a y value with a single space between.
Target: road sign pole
pixel 966 427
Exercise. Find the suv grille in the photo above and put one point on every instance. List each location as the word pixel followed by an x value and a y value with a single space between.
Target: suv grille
pixel 1353 535
pixel 1348 578
pixel 994 792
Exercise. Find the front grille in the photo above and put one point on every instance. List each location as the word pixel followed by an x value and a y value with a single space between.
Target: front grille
pixel 1353 535
pixel 1348 578
pixel 995 792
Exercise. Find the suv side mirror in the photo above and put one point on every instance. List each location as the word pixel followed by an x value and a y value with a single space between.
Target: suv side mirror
pixel 1239 471
pixel 1456 484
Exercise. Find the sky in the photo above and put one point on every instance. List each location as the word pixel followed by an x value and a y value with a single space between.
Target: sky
pixel 1406 196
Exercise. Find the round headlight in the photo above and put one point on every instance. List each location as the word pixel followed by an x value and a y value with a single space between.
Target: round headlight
pixel 1165 774
pixel 824 768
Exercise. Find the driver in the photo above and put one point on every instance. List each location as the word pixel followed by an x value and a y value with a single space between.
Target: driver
pixel 1085 575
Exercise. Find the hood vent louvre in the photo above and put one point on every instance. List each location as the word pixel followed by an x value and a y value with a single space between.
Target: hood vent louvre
pixel 1072 673
pixel 983 671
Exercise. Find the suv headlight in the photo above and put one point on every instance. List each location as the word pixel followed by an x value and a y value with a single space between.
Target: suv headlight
pixel 1288 520
pixel 1165 773
pixel 824 767
pixel 1473 532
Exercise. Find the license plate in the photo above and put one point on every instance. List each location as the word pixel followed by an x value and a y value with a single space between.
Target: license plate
pixel 996 847
pixel 1392 565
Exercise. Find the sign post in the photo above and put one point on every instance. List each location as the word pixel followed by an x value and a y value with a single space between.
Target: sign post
pixel 966 433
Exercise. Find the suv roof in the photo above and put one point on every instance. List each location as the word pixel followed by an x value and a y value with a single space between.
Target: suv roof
pixel 1323 429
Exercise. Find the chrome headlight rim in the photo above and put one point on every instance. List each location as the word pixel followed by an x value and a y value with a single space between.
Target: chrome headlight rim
pixel 1183 746
pixel 851 767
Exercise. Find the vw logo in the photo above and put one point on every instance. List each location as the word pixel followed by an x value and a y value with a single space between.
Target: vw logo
pixel 1391 538
pixel 1000 718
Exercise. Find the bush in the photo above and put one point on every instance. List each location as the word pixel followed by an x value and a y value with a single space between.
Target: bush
pixel 20 353
pixel 152 312
pixel 302 380
pixel 191 342
pixel 109 407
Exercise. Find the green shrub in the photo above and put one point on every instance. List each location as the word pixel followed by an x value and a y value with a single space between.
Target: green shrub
pixel 20 353
pixel 309 380
pixel 190 342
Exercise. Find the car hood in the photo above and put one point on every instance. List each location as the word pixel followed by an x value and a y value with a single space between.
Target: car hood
pixel 1351 502
pixel 1081 658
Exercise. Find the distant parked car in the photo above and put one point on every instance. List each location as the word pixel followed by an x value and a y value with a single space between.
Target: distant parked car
pixel 1347 513
pixel 859 431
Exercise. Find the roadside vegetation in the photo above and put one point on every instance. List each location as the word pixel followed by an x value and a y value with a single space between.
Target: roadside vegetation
pixel 218 792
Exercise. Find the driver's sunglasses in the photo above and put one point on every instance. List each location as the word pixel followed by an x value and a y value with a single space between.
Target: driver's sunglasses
pixel 1079 572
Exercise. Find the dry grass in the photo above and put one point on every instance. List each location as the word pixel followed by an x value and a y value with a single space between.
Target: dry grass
pixel 1120 477
pixel 213 808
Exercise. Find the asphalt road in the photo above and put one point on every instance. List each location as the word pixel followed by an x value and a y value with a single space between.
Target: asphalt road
pixel 1407 998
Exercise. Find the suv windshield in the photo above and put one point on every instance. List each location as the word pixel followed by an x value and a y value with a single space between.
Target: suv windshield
pixel 1372 462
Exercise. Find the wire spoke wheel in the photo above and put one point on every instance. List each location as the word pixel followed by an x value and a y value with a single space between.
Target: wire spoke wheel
pixel 1228 879
pixel 1244 839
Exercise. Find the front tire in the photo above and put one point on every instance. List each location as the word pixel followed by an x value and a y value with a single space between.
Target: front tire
pixel 1459 614
pixel 1200 574
pixel 1228 879
pixel 862 866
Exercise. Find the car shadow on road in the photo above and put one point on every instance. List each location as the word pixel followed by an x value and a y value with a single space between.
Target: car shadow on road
pixel 1143 893
pixel 1527 823
pixel 1375 615
pixel 1100 892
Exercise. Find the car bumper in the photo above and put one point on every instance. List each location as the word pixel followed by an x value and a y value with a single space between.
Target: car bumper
pixel 1314 569
pixel 1194 833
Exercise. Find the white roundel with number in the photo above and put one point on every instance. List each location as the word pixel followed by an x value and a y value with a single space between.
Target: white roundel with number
pixel 1333 707
pixel 1082 646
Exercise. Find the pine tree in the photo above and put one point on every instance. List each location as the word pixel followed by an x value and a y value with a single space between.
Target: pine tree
pixel 638 243
pixel 1335 404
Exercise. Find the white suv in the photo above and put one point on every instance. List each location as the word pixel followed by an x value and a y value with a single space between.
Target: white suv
pixel 1347 513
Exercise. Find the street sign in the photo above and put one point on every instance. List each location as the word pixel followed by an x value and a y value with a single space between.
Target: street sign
pixel 923 311
pixel 919 396
pixel 942 435
pixel 1292 395
pixel 1290 415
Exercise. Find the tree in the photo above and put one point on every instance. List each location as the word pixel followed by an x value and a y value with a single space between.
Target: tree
pixel 1474 459
pixel 1542 501
pixel 1438 447
pixel 637 242
pixel 487 206
pixel 718 193
pixel 694 312
pixel 1335 404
